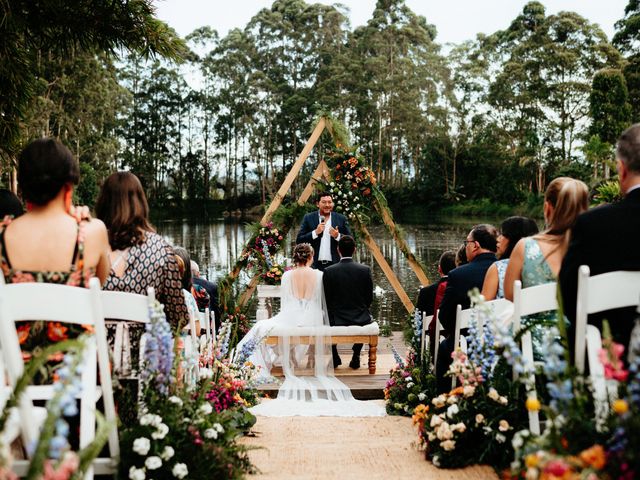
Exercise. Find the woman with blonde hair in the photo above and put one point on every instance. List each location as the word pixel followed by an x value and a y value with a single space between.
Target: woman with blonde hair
pixel 536 260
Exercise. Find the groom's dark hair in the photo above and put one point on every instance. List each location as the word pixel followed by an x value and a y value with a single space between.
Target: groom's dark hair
pixel 346 246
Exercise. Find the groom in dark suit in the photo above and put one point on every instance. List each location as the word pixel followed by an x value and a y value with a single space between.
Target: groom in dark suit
pixel 323 229
pixel 607 239
pixel 348 289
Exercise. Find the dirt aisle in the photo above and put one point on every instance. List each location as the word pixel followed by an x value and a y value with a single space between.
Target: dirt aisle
pixel 345 448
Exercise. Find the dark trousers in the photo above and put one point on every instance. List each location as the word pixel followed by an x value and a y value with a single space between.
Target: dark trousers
pixel 357 348
pixel 443 362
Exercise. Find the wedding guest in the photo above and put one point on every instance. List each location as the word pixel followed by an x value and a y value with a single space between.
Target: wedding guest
pixel 314 227
pixel 480 249
pixel 606 239
pixel 461 255
pixel 48 244
pixel 536 260
pixel 141 258
pixel 429 297
pixel 511 231
pixel 184 263
pixel 348 289
pixel 211 289
pixel 10 204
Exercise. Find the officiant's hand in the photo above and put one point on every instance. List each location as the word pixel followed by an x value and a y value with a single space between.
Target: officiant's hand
pixel 333 232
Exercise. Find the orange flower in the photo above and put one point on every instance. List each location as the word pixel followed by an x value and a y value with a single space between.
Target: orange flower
pixel 594 457
pixel 88 328
pixel 23 333
pixel 56 332
pixel 457 391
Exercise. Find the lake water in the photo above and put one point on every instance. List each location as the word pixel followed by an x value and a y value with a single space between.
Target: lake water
pixel 216 244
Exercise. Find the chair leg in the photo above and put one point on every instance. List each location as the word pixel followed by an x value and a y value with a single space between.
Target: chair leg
pixel 373 354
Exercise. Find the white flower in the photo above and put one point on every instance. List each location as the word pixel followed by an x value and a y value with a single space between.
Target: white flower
pixel 205 373
pixel 150 419
pixel 410 384
pixel 333 184
pixel 448 445
pixel 136 473
pixel 432 436
pixel 141 445
pixel 180 470
pixel 175 400
pixel 503 426
pixel 459 427
pixel 444 432
pixel 408 379
pixel 439 401
pixel 421 396
pixel 436 460
pixel 503 400
pixel 452 410
pixel 500 438
pixel 218 428
pixel 435 421
pixel 167 453
pixel 468 391
pixel 161 432
pixel 532 473
pixel 479 419
pixel 517 441
pixel 210 433
pixel 206 408
pixel 452 399
pixel 493 394
pixel 153 463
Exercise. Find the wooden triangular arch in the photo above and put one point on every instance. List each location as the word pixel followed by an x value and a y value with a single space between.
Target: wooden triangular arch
pixel 322 173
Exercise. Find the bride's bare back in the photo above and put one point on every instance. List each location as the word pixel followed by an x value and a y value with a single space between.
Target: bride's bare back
pixel 303 282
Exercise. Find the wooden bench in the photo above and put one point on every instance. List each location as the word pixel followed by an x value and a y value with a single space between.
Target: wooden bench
pixel 339 335
pixel 352 334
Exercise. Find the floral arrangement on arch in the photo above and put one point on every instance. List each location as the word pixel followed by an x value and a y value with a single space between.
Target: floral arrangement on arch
pixel 188 430
pixel 353 182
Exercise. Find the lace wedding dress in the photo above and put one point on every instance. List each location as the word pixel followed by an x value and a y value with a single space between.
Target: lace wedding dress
pixel 309 387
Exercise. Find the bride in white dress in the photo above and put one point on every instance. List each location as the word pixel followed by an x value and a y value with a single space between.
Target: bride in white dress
pixel 309 387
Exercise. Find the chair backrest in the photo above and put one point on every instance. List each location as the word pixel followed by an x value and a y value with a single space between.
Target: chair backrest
pixel 65 304
pixel 426 321
pixel 530 300
pixel 600 293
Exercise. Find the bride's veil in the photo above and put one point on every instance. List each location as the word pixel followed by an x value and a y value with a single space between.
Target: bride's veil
pixel 304 347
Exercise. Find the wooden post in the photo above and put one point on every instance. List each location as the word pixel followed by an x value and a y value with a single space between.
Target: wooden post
pixel 246 295
pixel 293 173
pixel 321 172
pixel 402 244
pixel 395 283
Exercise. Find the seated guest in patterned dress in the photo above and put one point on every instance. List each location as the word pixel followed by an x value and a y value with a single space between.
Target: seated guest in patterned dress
pixel 47 244
pixel 536 260
pixel 511 231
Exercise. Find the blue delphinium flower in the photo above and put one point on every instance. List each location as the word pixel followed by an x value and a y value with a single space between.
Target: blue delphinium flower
pixel 245 352
pixel 158 351
pixel 555 366
pixel 397 357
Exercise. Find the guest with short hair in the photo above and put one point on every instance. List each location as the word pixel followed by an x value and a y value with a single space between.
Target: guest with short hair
pixel 511 231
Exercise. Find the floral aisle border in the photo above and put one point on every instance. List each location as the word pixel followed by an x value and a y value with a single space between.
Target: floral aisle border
pixel 357 194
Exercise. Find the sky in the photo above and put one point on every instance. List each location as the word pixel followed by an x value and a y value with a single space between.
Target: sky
pixel 455 21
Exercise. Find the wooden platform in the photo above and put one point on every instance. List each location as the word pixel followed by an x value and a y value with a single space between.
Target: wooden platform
pixel 363 386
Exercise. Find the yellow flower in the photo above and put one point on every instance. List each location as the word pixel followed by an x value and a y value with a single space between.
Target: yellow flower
pixel 620 406
pixel 533 404
pixel 531 460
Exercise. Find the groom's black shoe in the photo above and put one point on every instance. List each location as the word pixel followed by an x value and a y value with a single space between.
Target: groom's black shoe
pixel 355 363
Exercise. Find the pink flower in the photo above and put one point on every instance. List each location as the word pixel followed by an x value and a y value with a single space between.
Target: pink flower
pixel 610 356
pixel 556 468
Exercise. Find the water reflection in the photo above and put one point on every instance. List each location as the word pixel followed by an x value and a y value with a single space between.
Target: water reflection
pixel 216 245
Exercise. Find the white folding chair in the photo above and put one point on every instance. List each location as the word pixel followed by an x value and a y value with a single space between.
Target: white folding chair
pixel 426 321
pixel 527 301
pixel 598 294
pixel 65 304
pixel 122 308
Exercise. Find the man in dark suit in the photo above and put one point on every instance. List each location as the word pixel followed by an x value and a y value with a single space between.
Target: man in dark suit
pixel 323 229
pixel 480 247
pixel 348 289
pixel 606 239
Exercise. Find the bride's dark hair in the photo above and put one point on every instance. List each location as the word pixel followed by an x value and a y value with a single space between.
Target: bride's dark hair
pixel 302 253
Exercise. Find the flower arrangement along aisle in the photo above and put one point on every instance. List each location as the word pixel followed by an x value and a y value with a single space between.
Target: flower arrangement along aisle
pixel 187 430
pixel 412 381
pixel 475 422
pixel 580 440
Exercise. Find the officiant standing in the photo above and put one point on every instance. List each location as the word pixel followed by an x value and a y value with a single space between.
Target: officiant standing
pixel 323 229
